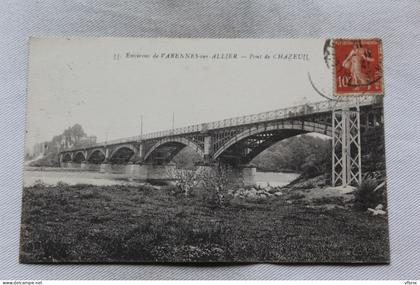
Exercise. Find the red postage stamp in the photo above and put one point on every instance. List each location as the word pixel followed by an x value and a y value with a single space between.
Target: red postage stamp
pixel 357 67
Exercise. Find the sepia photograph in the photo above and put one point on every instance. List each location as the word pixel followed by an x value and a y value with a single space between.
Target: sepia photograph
pixel 142 150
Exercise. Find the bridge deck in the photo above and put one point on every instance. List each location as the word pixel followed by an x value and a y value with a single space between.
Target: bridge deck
pixel 278 114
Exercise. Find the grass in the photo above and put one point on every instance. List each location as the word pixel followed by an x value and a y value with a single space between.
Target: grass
pixel 85 223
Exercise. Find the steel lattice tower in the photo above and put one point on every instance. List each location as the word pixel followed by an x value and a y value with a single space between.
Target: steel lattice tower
pixel 346 148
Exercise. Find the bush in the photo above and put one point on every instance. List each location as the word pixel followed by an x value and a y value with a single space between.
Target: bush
pixel 297 196
pixel 217 183
pixel 369 195
pixel 39 184
pixel 61 184
pixel 317 164
pixel 185 179
pixel 95 194
pixel 147 189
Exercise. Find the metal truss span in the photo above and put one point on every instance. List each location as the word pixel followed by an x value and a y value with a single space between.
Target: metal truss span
pixel 238 140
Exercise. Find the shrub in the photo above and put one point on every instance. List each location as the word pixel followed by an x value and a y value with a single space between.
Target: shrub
pixel 369 195
pixel 297 196
pixel 90 194
pixel 171 189
pixel 211 198
pixel 138 199
pixel 217 183
pixel 61 184
pixel 147 189
pixel 329 200
pixel 317 164
pixel 185 179
pixel 39 184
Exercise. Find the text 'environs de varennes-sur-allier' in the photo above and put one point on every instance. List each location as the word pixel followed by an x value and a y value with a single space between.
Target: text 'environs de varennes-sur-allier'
pixel 218 56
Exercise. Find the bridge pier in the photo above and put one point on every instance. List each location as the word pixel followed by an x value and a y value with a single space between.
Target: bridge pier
pixel 207 147
pixel 159 171
pixel 243 174
pixel 92 166
pixel 136 171
pixel 105 167
pixel 150 171
pixel 65 164
pixel 137 157
pixel 84 165
pixel 247 174
pixel 70 165
pixel 206 167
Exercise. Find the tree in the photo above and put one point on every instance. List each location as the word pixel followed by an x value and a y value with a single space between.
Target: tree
pixel 217 182
pixel 185 179
pixel 70 137
pixel 187 158
pixel 300 154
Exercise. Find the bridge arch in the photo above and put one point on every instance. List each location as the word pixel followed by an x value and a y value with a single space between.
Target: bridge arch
pixel 66 157
pixel 122 153
pixel 178 142
pixel 96 156
pixel 79 157
pixel 278 133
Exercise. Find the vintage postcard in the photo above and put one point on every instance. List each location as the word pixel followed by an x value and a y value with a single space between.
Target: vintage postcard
pixel 204 150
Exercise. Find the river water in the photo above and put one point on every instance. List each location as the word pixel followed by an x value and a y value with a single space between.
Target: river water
pixel 52 176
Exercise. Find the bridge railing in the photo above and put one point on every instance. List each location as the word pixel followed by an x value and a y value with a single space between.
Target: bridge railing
pixel 288 112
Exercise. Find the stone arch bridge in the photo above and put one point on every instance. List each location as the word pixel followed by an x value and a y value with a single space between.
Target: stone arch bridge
pixel 234 141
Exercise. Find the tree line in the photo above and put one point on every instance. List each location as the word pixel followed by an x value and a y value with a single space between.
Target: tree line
pixel 73 136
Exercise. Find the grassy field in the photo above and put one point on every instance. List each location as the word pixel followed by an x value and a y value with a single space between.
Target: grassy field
pixel 85 223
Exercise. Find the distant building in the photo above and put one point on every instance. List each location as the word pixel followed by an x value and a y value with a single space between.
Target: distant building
pixel 37 149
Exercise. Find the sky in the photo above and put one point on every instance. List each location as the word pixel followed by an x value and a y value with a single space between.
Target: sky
pixel 94 83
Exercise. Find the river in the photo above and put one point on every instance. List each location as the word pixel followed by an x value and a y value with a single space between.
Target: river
pixel 52 176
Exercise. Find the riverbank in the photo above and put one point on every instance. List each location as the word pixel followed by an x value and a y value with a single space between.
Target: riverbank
pixel 85 223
